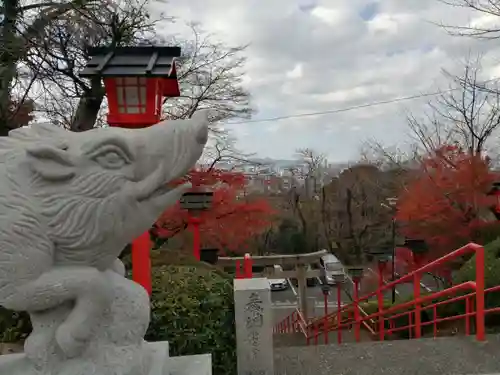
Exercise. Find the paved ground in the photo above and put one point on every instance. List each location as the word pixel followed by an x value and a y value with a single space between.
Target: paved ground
pixel 285 301
pixel 440 356
pixel 427 285
pixel 289 296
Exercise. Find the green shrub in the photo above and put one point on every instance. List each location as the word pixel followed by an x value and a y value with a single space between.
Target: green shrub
pixel 193 309
pixel 371 307
pixel 14 326
pixel 491 270
pixel 491 278
pixel 488 233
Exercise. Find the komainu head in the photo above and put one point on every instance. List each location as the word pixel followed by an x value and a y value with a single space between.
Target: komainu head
pixel 98 190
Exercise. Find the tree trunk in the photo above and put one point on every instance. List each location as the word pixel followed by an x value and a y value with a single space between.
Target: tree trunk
pixel 8 59
pixel 88 107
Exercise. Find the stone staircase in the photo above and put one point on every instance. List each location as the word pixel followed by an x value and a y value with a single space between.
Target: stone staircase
pixel 281 340
pixel 457 355
pixel 298 339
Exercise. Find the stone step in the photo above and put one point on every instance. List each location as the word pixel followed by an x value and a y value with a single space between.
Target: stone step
pixel 298 339
pixel 440 356
pixel 288 339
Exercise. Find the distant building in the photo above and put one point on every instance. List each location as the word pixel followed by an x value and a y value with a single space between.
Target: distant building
pixel 275 176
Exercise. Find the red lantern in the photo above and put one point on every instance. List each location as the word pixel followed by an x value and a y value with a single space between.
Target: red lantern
pixel 136 80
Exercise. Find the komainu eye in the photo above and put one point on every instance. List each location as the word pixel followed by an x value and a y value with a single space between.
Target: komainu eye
pixel 111 160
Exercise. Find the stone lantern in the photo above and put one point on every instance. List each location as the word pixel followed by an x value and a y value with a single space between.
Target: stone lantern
pixel 196 202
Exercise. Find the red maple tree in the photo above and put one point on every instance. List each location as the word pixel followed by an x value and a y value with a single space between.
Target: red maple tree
pixel 233 218
pixel 445 203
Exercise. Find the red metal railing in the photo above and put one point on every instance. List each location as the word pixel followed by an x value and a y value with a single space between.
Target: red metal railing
pixel 384 322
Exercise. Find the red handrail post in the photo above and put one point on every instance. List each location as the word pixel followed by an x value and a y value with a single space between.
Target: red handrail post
pixel 480 331
pixel 339 314
pixel 416 295
pixel 380 300
pixel 357 328
pixel 141 261
pixel 381 320
pixel 195 226
pixel 247 266
pixel 381 269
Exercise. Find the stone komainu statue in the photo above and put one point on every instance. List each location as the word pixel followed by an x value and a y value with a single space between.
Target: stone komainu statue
pixel 69 203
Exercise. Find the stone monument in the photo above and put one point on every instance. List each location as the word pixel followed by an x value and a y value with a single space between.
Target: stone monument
pixel 69 203
pixel 254 326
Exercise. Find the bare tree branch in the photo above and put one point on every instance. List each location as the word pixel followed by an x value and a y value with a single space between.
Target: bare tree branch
pixel 468 116
pixel 488 12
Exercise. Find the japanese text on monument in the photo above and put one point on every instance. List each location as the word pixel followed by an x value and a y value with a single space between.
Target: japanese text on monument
pixel 254 318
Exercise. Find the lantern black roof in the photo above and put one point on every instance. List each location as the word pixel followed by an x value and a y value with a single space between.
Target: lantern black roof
pixel 495 186
pixel 140 61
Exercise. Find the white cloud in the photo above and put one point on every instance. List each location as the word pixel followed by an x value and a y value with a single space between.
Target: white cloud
pixel 329 16
pixel 390 23
pixel 322 55
pixel 354 93
pixel 484 21
pixel 296 72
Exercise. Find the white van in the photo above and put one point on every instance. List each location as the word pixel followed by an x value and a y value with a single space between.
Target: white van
pixel 278 284
pixel 332 267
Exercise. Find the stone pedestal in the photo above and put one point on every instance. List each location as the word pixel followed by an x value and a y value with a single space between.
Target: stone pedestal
pixel 160 363
pixel 254 326
pixel 190 365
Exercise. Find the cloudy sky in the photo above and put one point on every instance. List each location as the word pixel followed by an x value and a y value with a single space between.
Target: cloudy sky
pixel 325 55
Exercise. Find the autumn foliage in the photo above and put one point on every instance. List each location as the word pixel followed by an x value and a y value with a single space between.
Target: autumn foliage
pixel 446 201
pixel 233 218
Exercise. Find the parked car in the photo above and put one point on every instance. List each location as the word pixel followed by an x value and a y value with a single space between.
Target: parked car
pixel 278 284
pixel 333 268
